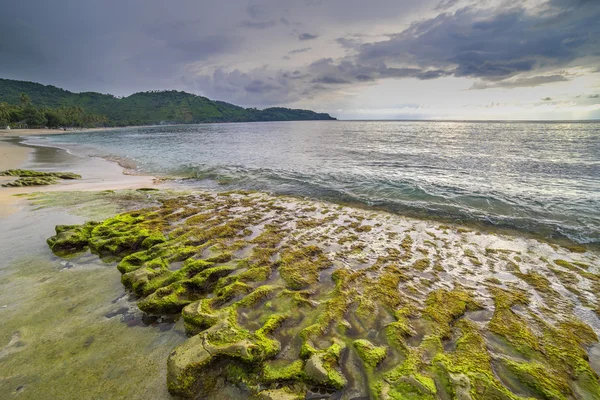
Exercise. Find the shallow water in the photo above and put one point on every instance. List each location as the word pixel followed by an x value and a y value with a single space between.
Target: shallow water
pixel 542 178
pixel 71 331
pixel 68 329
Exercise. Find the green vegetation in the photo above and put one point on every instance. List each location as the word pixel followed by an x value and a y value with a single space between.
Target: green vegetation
pixel 28 104
pixel 22 113
pixel 36 178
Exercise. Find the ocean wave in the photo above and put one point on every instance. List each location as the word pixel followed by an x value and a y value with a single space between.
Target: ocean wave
pixel 408 198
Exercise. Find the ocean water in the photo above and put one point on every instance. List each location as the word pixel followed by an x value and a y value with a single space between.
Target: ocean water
pixel 541 178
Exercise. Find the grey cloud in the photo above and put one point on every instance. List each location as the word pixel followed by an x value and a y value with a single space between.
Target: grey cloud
pixel 307 36
pixel 593 96
pixel 547 99
pixel 522 82
pixel 446 4
pixel 256 10
pixel 304 50
pixel 483 44
pixel 258 86
pixel 364 78
pixel 121 47
pixel 330 80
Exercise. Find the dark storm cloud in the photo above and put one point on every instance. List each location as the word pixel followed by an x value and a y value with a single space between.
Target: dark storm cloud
pixel 307 36
pixel 490 46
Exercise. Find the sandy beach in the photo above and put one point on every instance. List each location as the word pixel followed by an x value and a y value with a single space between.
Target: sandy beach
pixel 98 174
pixel 36 132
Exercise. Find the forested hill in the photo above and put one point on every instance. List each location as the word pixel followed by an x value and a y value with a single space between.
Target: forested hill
pixel 147 108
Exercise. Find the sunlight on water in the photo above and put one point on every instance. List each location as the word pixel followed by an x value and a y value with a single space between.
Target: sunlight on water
pixel 538 177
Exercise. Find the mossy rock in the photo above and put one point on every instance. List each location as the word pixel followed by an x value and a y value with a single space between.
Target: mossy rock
pixel 26 173
pixel 36 178
pixel 270 311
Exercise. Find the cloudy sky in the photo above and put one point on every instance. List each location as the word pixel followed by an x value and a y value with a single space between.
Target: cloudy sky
pixel 356 59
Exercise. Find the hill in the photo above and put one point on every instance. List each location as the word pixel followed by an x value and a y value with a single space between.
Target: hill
pixel 145 108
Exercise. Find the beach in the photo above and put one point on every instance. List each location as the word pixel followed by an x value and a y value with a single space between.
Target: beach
pixel 97 174
pixel 175 290
pixel 72 301
pixel 37 132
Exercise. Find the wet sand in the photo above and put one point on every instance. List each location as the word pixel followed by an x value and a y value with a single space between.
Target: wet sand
pixel 37 132
pixel 12 155
pixel 97 174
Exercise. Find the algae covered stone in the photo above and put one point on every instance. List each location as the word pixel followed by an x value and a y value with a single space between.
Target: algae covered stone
pixel 281 309
pixel 36 178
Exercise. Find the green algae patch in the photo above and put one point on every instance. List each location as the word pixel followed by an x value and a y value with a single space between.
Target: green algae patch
pixel 36 178
pixel 300 268
pixel 443 307
pixel 65 346
pixel 370 354
pixel 24 182
pixel 278 302
pixel 25 173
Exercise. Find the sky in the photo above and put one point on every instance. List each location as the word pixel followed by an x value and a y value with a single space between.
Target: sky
pixel 376 59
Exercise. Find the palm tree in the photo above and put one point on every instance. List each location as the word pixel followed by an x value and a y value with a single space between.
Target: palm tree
pixel 25 100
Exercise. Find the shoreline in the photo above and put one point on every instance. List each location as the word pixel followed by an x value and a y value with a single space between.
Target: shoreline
pixel 43 132
pixel 312 286
pixel 97 174
pixel 371 283
pixel 127 168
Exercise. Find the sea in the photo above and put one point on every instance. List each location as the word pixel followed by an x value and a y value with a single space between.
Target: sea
pixel 541 178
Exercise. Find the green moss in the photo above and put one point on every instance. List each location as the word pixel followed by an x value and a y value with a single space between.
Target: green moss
pixel 36 178
pixel 23 182
pixel 536 377
pixel 370 354
pixel 239 297
pixel 581 265
pixel 300 267
pixel 407 379
pixel 538 281
pixel 406 245
pixel 26 173
pixel 399 330
pixel 509 325
pixel 322 367
pixel 472 360
pixel 421 264
pixel 282 370
pixel 71 239
pixel 472 257
pixel 444 307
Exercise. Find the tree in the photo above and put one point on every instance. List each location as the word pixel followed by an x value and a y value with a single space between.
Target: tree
pixel 5 113
pixel 25 100
pixel 55 118
pixel 34 117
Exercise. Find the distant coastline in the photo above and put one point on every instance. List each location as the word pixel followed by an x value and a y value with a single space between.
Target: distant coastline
pixel 33 105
